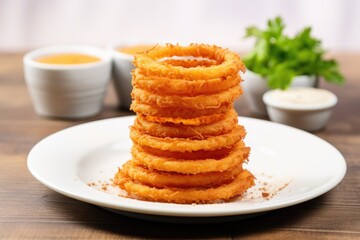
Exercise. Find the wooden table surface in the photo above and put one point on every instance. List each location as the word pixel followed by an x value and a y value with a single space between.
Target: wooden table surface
pixel 28 209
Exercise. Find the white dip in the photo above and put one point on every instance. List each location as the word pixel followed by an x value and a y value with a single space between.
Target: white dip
pixel 300 98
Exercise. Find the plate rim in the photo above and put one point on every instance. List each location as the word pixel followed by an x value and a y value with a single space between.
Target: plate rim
pixel 189 213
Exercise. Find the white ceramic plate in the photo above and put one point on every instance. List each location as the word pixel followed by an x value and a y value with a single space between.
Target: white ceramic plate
pixel 291 166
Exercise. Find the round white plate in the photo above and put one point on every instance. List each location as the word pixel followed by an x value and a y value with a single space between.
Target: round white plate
pixel 291 166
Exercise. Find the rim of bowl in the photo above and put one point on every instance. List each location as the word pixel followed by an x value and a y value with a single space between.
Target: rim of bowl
pixel 29 58
pixel 270 102
pixel 117 54
pixel 127 56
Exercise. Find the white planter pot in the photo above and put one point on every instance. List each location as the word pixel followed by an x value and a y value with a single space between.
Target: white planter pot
pixel 255 86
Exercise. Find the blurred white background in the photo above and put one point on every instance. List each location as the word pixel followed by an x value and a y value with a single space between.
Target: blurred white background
pixel 26 24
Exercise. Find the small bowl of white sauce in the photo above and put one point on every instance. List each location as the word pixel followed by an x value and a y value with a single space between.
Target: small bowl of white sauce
pixel 301 107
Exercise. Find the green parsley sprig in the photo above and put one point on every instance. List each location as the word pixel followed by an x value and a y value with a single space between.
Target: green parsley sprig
pixel 279 57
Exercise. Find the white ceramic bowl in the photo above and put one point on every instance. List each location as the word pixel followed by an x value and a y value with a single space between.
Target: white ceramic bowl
pixel 67 90
pixel 305 108
pixel 255 86
pixel 122 67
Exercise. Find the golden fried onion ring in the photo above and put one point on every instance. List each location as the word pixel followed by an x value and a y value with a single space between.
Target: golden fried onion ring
pixel 164 179
pixel 236 157
pixel 184 87
pixel 190 63
pixel 174 112
pixel 186 145
pixel 241 183
pixel 187 131
pixel 186 121
pixel 196 102
pixel 229 62
pixel 194 155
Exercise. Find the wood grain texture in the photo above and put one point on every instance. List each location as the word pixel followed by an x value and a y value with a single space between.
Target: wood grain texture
pixel 29 210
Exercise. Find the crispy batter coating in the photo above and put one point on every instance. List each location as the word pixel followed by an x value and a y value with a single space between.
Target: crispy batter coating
pixel 174 112
pixel 207 119
pixel 193 155
pixel 183 87
pixel 187 131
pixel 190 63
pixel 238 186
pixel 196 102
pixel 187 145
pixel 161 179
pixel 185 166
pixel 229 62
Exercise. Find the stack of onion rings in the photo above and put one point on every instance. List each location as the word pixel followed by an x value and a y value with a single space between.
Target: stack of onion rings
pixel 188 146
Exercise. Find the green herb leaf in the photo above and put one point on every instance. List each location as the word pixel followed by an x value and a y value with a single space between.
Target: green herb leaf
pixel 281 77
pixel 279 57
pixel 253 32
pixel 330 71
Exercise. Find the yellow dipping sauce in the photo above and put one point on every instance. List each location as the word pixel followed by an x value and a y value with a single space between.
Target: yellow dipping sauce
pixel 68 58
pixel 134 49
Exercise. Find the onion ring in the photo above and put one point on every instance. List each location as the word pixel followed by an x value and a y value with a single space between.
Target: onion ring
pixel 184 87
pixel 190 121
pixel 187 145
pixel 174 112
pixel 235 158
pixel 163 179
pixel 197 102
pixel 194 155
pixel 187 131
pixel 229 62
pixel 241 183
pixel 190 63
